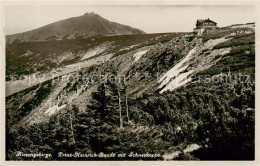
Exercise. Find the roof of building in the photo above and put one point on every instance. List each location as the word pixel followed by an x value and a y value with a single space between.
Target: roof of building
pixel 205 20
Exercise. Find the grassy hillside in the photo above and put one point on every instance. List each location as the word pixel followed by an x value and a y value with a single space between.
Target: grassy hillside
pixel 215 109
pixel 27 58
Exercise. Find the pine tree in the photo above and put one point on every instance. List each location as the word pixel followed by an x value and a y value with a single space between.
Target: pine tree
pixel 114 104
pixel 72 113
pixel 125 101
pixel 98 104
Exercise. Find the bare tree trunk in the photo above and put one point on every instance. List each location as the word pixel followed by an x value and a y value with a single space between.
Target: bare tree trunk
pixel 120 109
pixel 71 127
pixel 58 119
pixel 126 103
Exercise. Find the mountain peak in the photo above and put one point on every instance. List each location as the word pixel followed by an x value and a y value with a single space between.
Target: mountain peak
pixel 91 14
pixel 87 25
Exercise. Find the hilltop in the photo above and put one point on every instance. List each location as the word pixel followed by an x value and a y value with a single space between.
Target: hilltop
pixel 87 25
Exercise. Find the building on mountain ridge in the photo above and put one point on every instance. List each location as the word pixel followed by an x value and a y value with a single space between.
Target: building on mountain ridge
pixel 202 25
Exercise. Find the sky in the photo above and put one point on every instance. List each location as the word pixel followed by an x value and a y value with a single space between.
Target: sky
pixel 151 19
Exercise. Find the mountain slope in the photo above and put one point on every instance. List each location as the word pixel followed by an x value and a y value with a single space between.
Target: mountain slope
pixel 84 26
pixel 167 98
pixel 42 59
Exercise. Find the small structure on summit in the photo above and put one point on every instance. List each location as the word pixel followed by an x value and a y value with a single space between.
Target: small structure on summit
pixel 202 25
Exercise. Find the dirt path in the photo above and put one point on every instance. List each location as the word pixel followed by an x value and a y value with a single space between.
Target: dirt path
pixel 189 148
